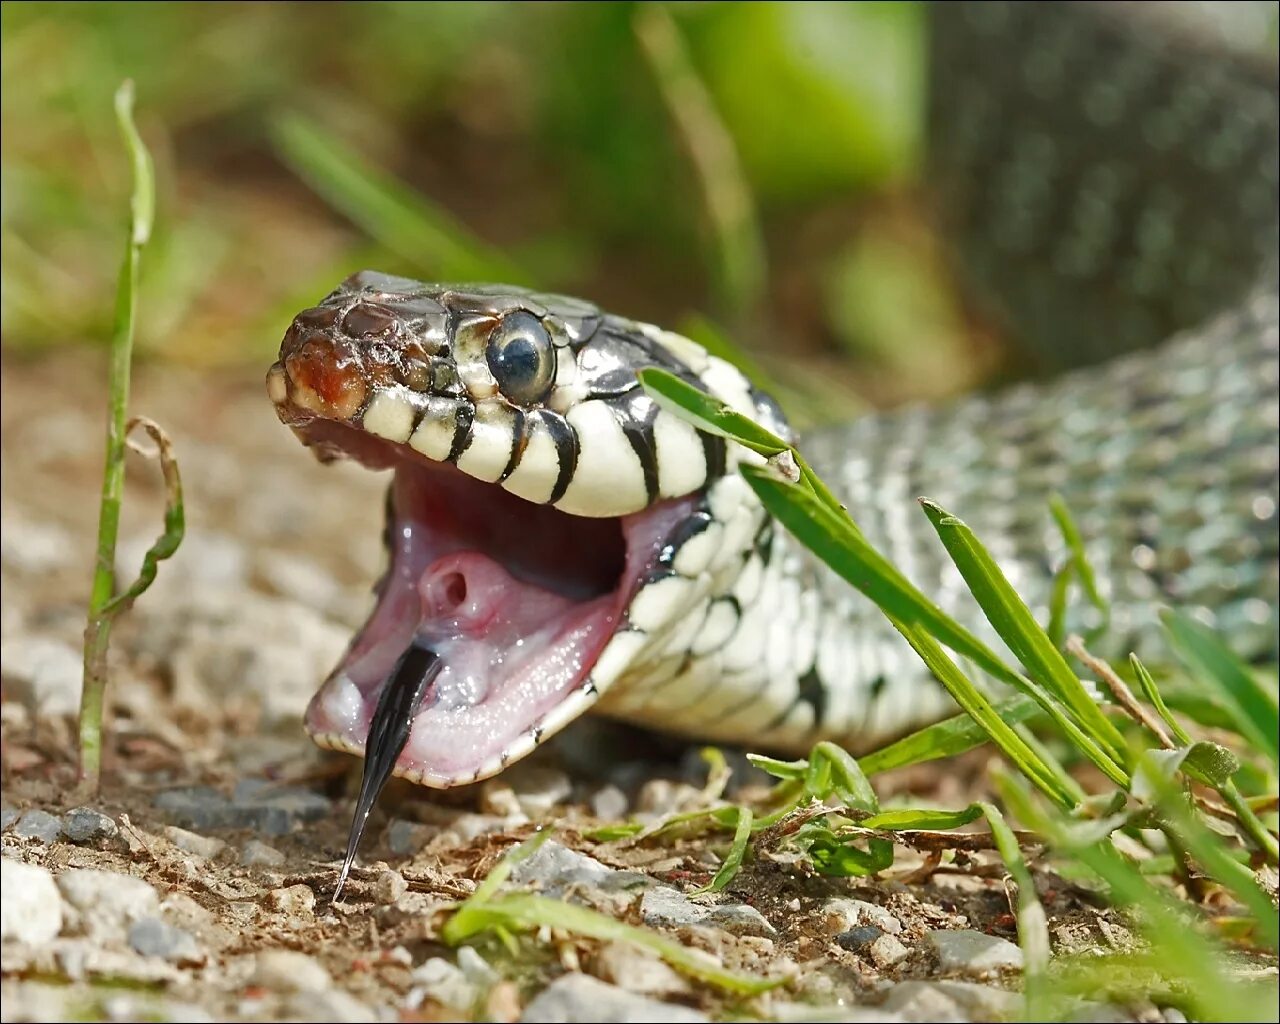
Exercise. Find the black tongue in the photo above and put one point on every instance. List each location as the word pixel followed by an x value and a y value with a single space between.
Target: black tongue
pixel 389 731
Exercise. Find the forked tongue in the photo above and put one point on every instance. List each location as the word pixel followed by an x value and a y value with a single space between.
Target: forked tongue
pixel 389 730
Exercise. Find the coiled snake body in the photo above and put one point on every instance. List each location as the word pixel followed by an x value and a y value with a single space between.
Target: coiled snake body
pixel 559 542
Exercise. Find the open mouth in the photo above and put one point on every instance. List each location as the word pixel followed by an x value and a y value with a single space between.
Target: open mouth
pixel 517 600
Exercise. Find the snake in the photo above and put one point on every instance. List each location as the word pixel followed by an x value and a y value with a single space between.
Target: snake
pixel 560 542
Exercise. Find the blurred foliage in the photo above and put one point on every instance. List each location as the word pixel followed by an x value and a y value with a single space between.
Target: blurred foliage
pixel 548 133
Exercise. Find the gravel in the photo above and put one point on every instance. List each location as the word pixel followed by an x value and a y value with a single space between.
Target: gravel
pixel 207 847
pixel 974 953
pixel 255 804
pixel 284 970
pixel 104 903
pixel 857 939
pixel 664 907
pixel 887 951
pixel 296 900
pixel 150 936
pixel 256 853
pixel 949 1001
pixel 575 998
pixel 87 825
pixel 39 825
pixel 405 838
pixel 31 911
pixel 389 886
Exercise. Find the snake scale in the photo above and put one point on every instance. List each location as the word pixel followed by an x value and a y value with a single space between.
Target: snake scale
pixel 558 542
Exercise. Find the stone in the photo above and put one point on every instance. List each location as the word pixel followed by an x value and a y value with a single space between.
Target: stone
pixel 277 810
pixel 207 847
pixel 538 789
pixel 105 903
pixel 284 970
pixel 8 815
pixel 86 825
pixel 887 951
pixel 975 953
pixel 638 970
pixel 31 911
pixel 298 900
pixel 442 982
pixel 256 853
pixel 332 1004
pixel 150 936
pixel 44 674
pixel 949 1001
pixel 857 939
pixel 609 803
pixel 476 968
pixel 555 868
pixel 468 827
pixel 256 804
pixel 39 825
pixel 664 907
pixel 405 838
pixel 575 998
pixel 662 796
pixel 840 915
pixel 389 886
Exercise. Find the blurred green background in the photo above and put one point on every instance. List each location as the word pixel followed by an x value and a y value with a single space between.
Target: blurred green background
pixel 754 165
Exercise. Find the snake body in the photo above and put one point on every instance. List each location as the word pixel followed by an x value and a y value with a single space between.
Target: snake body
pixel 564 543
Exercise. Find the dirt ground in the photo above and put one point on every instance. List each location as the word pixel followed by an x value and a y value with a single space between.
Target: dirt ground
pixel 217 801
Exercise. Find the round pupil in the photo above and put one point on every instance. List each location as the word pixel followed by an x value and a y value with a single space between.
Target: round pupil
pixel 519 358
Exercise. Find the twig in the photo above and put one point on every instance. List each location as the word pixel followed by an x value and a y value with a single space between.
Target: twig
pixel 1120 689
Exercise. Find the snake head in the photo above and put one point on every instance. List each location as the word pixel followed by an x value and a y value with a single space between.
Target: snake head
pixel 553 533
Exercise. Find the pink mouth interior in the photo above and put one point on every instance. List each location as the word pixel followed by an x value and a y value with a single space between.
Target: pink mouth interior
pixel 517 599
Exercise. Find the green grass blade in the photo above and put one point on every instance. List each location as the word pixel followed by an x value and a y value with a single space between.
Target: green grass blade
pixel 1252 705
pixel 1017 627
pixel 922 817
pixel 1033 925
pixel 834 772
pixel 1079 560
pixel 980 709
pixel 97 636
pixel 951 736
pixel 708 413
pixel 737 851
pixel 404 221
pixel 740 264
pixel 837 542
pixel 486 910
pixel 1156 699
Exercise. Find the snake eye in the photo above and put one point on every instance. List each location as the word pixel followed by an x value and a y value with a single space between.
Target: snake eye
pixel 522 358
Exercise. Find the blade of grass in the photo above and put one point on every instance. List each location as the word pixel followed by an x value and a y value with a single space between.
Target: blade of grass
pixel 846 551
pixel 1156 699
pixel 740 251
pixel 1207 987
pixel 1017 627
pixel 977 706
pixel 1033 925
pixel 486 909
pixel 1253 708
pixel 1079 560
pixel 922 817
pixel 1209 849
pixel 102 609
pixel 386 209
pixel 951 736
pixel 737 851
